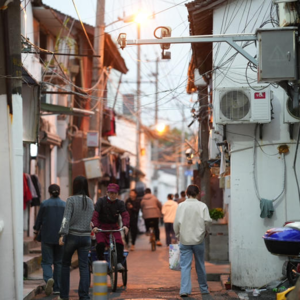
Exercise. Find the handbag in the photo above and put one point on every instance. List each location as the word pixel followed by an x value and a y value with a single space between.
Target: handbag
pixel 174 257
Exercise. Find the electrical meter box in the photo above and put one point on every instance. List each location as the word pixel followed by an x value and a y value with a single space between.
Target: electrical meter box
pixel 92 167
pixel 277 54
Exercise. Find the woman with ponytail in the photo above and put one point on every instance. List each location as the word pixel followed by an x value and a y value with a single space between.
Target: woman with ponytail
pixel 75 234
pixel 47 224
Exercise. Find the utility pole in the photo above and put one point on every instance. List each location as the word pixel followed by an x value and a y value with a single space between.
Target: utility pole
pixel 138 103
pixel 155 150
pixel 97 100
pixel 203 138
pixel 182 157
pixel 11 149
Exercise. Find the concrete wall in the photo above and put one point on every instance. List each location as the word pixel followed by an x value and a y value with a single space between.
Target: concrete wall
pixel 251 263
pixel 11 200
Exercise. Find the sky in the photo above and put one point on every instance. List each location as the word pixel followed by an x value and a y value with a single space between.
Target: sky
pixel 173 99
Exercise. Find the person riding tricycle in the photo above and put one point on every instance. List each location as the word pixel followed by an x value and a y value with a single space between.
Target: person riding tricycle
pixel 106 217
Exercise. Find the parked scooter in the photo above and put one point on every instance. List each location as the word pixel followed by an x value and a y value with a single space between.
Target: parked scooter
pixel 285 241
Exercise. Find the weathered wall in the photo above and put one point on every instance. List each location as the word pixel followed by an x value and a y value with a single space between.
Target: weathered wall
pixel 251 263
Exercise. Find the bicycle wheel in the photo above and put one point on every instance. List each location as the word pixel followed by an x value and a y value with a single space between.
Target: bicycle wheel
pixel 124 274
pixel 113 270
pixel 291 275
pixel 153 242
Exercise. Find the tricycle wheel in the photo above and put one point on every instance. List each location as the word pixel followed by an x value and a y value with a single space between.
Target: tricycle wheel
pixel 124 274
pixel 113 271
pixel 292 272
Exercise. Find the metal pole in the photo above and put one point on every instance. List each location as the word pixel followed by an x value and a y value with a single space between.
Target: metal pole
pixel 138 103
pixel 100 280
pixel 182 158
pixel 155 154
pixel 156 90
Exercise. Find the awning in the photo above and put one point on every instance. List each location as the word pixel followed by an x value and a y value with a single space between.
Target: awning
pixel 48 138
pixel 63 110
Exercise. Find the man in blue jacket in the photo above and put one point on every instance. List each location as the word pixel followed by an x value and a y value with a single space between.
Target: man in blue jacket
pixel 48 223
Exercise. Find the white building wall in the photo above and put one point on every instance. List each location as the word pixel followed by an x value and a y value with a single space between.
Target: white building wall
pixel 251 263
pixel 11 201
pixel 125 138
pixel 166 185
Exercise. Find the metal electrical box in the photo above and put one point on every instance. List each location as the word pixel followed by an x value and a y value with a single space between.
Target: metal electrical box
pixel 277 59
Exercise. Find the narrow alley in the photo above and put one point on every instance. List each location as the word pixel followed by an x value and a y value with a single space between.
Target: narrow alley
pixel 149 277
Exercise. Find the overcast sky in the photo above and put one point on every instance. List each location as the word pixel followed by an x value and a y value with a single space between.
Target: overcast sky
pixel 172 74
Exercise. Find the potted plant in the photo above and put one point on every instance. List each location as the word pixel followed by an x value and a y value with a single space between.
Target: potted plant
pixel 216 213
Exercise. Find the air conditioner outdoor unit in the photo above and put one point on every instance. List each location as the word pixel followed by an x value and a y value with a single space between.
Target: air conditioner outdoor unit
pixel 290 115
pixel 242 105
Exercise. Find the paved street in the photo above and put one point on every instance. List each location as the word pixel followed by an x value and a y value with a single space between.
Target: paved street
pixel 149 277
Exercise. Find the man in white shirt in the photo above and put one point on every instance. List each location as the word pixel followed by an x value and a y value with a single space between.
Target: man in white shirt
pixel 169 212
pixel 190 226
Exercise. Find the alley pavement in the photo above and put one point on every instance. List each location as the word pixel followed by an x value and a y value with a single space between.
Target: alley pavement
pixel 149 277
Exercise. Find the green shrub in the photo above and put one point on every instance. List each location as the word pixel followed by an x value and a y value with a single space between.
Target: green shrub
pixel 216 213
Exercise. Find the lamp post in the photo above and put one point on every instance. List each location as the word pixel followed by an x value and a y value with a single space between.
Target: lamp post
pixel 138 103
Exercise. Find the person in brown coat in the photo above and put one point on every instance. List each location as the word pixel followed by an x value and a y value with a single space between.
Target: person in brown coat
pixel 151 209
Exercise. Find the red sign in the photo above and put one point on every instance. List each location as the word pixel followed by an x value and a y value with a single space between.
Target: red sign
pixel 260 95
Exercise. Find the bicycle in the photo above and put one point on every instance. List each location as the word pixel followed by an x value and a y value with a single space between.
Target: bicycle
pixel 152 239
pixel 111 258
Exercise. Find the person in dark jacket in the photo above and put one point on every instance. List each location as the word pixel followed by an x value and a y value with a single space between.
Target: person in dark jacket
pixel 133 207
pixel 106 217
pixel 48 223
pixel 151 208
pixel 182 199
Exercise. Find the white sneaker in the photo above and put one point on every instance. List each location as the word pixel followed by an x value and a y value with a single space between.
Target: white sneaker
pixel 49 286
pixel 120 267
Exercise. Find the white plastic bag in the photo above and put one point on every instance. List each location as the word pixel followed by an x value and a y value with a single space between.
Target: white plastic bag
pixel 174 257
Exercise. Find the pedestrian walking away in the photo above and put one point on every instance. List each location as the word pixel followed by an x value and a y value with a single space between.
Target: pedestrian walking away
pixel 106 216
pixel 75 234
pixel 47 225
pixel 169 212
pixel 151 209
pixel 191 226
pixel 176 197
pixel 182 198
pixel 133 207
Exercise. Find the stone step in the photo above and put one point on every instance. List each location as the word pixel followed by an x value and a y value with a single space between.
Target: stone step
pixel 28 244
pixel 34 283
pixel 36 250
pixel 31 263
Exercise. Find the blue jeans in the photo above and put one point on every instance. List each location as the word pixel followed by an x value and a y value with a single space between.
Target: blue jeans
pixel 52 255
pixel 82 244
pixel 186 257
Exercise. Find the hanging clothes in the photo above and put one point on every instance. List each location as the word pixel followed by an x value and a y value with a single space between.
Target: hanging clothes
pixel 36 201
pixel 105 164
pixel 26 192
pixel 31 186
pixel 109 123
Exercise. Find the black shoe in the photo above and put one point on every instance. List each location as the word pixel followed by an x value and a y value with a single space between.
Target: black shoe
pixel 184 295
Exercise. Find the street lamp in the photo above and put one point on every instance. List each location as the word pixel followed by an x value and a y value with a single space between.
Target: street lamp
pixel 160 128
